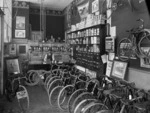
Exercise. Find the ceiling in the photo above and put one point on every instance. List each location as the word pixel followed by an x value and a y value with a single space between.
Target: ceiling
pixel 51 4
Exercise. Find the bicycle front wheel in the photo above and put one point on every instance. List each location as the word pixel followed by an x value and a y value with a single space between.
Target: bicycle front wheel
pixel 64 96
pixel 53 97
pixel 143 46
pixel 83 103
pixel 82 96
pixel 95 107
pixel 73 97
pixel 124 51
pixel 23 98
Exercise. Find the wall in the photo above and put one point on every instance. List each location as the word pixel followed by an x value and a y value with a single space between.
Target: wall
pixel 20 9
pixel 7 20
pixel 124 18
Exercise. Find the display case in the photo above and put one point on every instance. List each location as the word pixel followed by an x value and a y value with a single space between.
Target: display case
pixel 88 45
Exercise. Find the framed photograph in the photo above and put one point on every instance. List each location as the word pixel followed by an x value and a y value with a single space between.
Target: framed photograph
pixel 145 62
pixel 20 33
pixel 119 69
pixel 111 56
pixel 12 65
pixel 109 67
pixel 95 6
pixel 20 22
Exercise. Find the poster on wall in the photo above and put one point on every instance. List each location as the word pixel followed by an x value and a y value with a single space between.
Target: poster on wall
pixel 83 9
pixel 95 6
pixel 20 22
pixel 20 34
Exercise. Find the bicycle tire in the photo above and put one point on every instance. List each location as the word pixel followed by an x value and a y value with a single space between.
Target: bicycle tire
pixel 53 96
pixel 31 79
pixel 143 40
pixel 24 101
pixel 50 81
pixel 47 80
pixel 83 103
pixel 56 82
pixel 124 51
pixel 64 94
pixel 73 97
pixel 82 96
pixel 96 107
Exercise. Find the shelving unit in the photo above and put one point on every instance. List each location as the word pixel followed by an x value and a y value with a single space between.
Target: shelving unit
pixel 88 46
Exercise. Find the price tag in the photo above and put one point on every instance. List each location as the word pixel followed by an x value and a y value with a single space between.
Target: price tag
pixel 21 94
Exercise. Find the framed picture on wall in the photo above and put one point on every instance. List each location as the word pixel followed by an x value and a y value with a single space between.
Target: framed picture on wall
pixel 12 65
pixel 20 34
pixel 95 6
pixel 20 22
pixel 119 69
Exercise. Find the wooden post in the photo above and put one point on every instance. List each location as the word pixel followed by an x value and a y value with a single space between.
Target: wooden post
pixel 1 51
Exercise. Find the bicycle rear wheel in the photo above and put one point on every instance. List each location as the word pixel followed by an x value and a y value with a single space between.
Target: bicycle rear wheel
pixel 124 51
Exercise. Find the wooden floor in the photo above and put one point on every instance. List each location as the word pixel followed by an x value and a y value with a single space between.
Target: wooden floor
pixel 38 103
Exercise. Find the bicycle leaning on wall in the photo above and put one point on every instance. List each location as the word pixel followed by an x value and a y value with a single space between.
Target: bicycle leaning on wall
pixel 136 44
pixel 14 85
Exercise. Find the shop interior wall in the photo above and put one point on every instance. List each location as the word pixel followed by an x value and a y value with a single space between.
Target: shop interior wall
pixel 124 18
pixel 24 12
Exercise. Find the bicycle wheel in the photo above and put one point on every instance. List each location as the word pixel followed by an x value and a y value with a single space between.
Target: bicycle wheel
pixel 95 107
pixel 50 81
pixel 47 80
pixel 73 97
pixel 46 74
pixel 53 96
pixel 82 96
pixel 143 46
pixel 56 82
pixel 23 98
pixel 83 103
pixel 124 51
pixel 32 78
pixel 64 96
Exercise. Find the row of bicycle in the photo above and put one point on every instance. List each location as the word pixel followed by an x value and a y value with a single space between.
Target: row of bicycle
pixel 73 91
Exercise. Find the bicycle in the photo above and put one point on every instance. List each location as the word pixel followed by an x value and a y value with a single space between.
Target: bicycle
pixel 78 82
pixel 134 44
pixel 15 88
pixel 93 97
pixel 57 86
pixel 109 99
